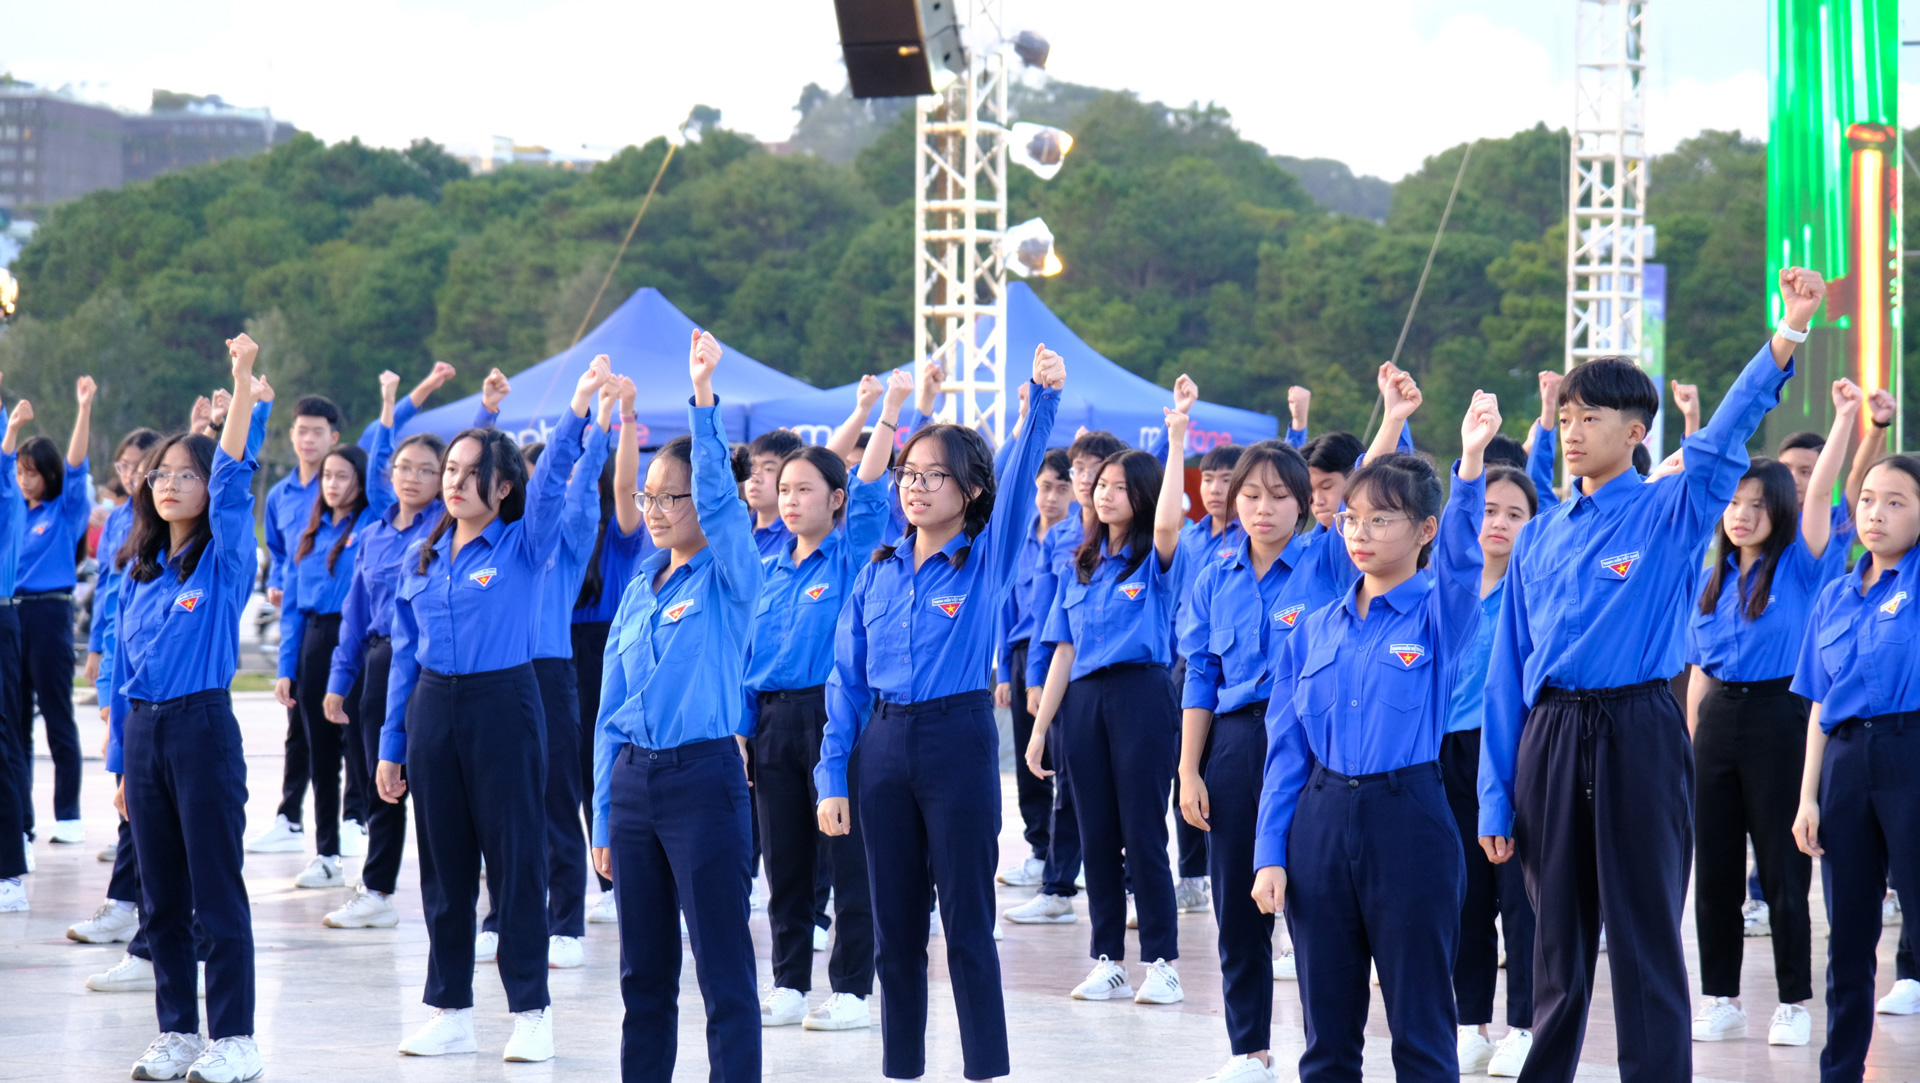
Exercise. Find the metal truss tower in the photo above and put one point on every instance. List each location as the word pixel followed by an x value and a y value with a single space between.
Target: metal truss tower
pixel 1607 191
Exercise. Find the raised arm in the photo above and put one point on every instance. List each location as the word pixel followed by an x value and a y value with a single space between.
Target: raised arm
pixel 547 489
pixel 1816 524
pixel 1881 410
pixel 1013 504
pixel 933 385
pixel 83 392
pixel 233 438
pixel 22 413
pixel 582 510
pixel 1457 556
pixel 873 461
pixel 380 494
pixel 844 438
pixel 626 462
pixel 716 496
pixel 1803 292
pixel 1299 401
pixel 1402 397
pixel 1167 517
pixel 493 390
pixel 1687 398
pixel 434 381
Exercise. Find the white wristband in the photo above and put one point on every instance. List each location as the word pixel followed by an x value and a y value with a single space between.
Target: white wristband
pixel 1788 333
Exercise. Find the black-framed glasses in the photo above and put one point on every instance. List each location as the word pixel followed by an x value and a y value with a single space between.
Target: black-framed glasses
pixel 168 479
pixel 1368 526
pixel 646 502
pixel 924 480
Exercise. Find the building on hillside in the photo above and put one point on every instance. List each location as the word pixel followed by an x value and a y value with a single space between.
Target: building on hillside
pixel 184 130
pixel 501 151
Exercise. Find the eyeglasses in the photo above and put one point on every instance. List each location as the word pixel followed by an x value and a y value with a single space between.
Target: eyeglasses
pixel 1372 526
pixel 167 479
pixel 125 467
pixel 418 473
pixel 664 501
pixel 927 481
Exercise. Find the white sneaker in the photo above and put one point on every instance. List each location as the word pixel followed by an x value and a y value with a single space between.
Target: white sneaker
pixel 110 851
pixel 68 831
pixel 1475 1050
pixel 229 1060
pixel 532 1038
pixel 13 897
pixel 604 912
pixel 685 933
pixel 486 947
pixel 1044 910
pixel 565 953
pixel 322 872
pixel 1718 1019
pixel 366 910
pixel 819 938
pixel 783 1007
pixel 934 925
pixel 999 931
pixel 353 839
pixel 841 1011
pixel 449 1031
pixel 284 837
pixel 26 844
pixel 1027 873
pixel 131 974
pixel 1080 878
pixel 1193 895
pixel 1791 1025
pixel 757 898
pixel 1603 943
pixel 1890 909
pixel 1284 968
pixel 169 1056
pixel 1133 914
pixel 1243 1070
pixel 1903 1000
pixel 1756 918
pixel 109 924
pixel 200 980
pixel 1106 981
pixel 1511 1054
pixel 1162 985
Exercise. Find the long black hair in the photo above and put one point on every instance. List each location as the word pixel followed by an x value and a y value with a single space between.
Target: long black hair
pixel 150 533
pixel 1143 474
pixel 500 460
pixel 1776 497
pixel 41 454
pixel 594 583
pixel 833 469
pixel 1288 463
pixel 970 462
pixel 357 459
pixel 1403 483
pixel 142 440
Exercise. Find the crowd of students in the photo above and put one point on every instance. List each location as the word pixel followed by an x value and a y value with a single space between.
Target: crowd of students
pixel 1350 694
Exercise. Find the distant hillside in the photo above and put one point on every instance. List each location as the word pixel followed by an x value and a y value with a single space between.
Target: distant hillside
pixel 1333 186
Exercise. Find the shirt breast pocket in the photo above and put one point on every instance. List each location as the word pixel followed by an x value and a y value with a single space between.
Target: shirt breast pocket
pixel 1317 690
pixel 1835 645
pixel 1405 677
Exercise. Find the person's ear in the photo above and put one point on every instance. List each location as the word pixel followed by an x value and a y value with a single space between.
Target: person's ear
pixel 1637 431
pixel 839 499
pixel 1429 530
pixel 500 491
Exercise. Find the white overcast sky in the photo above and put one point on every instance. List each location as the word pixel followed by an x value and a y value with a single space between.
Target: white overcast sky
pixel 1379 84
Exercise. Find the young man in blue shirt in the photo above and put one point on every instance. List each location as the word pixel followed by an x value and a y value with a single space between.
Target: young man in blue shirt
pixel 1585 766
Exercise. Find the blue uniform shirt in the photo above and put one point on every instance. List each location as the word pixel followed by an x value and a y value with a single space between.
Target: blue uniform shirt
pixel 1603 580
pixel 1857 661
pixel 1120 616
pixel 676 656
pixel 53 532
pixel 793 623
pixel 567 567
pixel 1368 694
pixel 772 538
pixel 1025 608
pixel 1056 560
pixel 313 589
pixel 1469 707
pixel 106 595
pixel 1729 647
pixel 1232 628
pixel 13 514
pixel 1200 547
pixel 620 554
pixel 1540 466
pixel 368 609
pixel 909 636
pixel 474 612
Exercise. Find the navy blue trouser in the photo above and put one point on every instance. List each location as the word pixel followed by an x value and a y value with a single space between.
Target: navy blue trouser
pixel 1189 841
pixel 1233 774
pixel 294 768
pixel 330 746
pixel 1492 891
pixel 477 768
pixel 589 658
pixel 186 779
pixel 1375 876
pixel 1122 737
pixel 46 676
pixel 1603 829
pixel 786 748
pixel 386 821
pixel 1904 966
pixel 1870 830
pixel 1035 794
pixel 930 804
pixel 123 885
pixel 13 798
pixel 678 825
pixel 566 841
pixel 1062 873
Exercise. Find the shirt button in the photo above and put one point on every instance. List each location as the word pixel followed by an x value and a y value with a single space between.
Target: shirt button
pixel 1355 703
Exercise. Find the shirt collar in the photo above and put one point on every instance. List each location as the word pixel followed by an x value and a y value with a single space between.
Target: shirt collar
pixel 1402 599
pixel 1289 554
pixel 835 538
pixel 491 535
pixel 904 551
pixel 1905 570
pixel 1616 492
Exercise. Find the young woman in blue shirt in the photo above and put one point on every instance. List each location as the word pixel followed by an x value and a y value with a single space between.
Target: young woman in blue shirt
pixel 1355 837
pixel 464 718
pixel 59 499
pixel 1772 556
pixel 14 844
pixel 671 823
pixel 1109 681
pixel 909 689
pixel 1860 792
pixel 184 772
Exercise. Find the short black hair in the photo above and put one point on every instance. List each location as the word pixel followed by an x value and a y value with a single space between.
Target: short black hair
pixel 1519 480
pixel 1504 450
pixel 532 452
pixel 318 406
pixel 1334 452
pixel 1099 443
pixel 1613 383
pixel 1224 457
pixel 1794 441
pixel 779 443
pixel 1058 461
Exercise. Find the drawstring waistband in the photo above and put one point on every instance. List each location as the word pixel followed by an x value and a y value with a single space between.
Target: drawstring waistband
pixel 1596 704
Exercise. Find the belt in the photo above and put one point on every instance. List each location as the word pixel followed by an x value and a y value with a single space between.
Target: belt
pixel 816 694
pixel 322 618
pixel 1750 689
pixel 50 596
pixel 959 701
pixel 1393 778
pixel 1897 722
pixel 692 750
pixel 1125 667
pixel 1253 712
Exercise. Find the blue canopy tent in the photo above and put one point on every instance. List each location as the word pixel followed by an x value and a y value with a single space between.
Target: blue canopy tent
pixel 647 340
pixel 1099 394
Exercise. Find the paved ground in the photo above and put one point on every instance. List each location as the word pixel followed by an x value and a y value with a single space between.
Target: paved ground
pixel 333 1003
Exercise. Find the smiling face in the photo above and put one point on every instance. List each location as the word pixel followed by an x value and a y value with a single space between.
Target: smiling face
pixel 312 438
pixel 943 507
pixel 183 497
pixel 1268 510
pixel 807 502
pixel 1053 496
pixel 1599 440
pixel 1746 520
pixel 416 475
pixel 1888 512
pixel 1329 488
pixel 1506 513
pixel 762 492
pixel 678 527
pixel 339 483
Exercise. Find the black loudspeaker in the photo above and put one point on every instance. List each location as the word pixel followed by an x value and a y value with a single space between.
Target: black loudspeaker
pixel 886 44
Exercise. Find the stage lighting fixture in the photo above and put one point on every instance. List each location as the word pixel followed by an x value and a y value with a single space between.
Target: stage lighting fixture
pixel 1039 148
pixel 1031 48
pixel 1027 249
